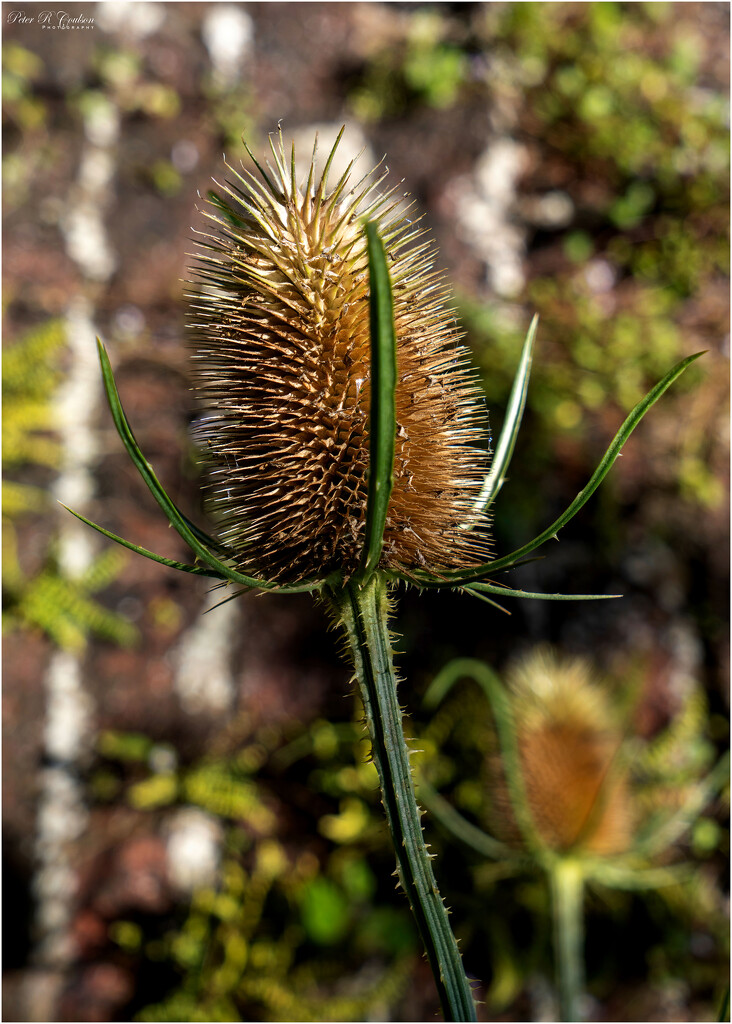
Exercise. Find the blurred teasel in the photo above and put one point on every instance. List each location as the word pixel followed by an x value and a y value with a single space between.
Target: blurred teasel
pixel 282 352
pixel 569 741
pixel 572 793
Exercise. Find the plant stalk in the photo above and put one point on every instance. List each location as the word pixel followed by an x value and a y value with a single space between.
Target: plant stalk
pixel 567 888
pixel 363 612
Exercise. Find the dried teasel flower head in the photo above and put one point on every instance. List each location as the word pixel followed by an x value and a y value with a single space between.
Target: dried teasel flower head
pixel 568 744
pixel 282 352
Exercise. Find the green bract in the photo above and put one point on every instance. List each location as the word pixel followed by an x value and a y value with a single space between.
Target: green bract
pixel 382 456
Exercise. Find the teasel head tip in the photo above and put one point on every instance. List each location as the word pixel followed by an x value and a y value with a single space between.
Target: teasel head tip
pixel 569 744
pixel 281 343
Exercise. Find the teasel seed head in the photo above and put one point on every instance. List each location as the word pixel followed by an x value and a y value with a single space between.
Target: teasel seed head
pixel 280 319
pixel 576 789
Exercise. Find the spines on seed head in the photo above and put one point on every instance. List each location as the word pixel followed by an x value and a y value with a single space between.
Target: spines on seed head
pixel 576 787
pixel 280 318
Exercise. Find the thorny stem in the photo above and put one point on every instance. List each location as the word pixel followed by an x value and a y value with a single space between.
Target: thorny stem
pixel 567 885
pixel 363 613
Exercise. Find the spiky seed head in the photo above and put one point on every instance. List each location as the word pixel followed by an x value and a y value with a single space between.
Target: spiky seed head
pixel 282 349
pixel 568 744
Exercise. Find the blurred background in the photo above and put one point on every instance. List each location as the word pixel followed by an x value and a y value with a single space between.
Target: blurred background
pixel 191 828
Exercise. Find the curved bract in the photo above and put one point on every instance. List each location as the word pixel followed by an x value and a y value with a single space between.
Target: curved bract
pixel 381 442
pixel 550 533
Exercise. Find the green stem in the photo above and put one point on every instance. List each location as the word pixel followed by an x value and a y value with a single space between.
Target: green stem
pixel 363 613
pixel 567 885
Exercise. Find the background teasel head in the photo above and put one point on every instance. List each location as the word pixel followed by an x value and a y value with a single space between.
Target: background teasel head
pixel 568 743
pixel 282 350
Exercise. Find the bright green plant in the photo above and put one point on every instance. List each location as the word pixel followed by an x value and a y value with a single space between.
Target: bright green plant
pixel 248 938
pixel 30 375
pixel 336 430
pixel 423 68
pixel 62 608
pixel 572 796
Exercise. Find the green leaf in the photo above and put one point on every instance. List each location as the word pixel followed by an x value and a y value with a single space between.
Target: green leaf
pixel 469 834
pixel 325 912
pixel 382 424
pixel 495 480
pixel 500 705
pixel 488 588
pixel 124 746
pixel 482 597
pixel 144 467
pixel 194 569
pixel 193 537
pixel 633 877
pixel 631 422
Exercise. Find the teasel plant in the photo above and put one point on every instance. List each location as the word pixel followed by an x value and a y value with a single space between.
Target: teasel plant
pixel 573 794
pixel 347 444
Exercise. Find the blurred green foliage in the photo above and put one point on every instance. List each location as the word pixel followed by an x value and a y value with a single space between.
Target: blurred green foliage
pixel 232 118
pixel 614 90
pixel 608 96
pixel 21 69
pixel 63 608
pixel 28 149
pixel 423 67
pixel 124 78
pixel 45 597
pixel 271 936
pixel 31 373
pixel 611 91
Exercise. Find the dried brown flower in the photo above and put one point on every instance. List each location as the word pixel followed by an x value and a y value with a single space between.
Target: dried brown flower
pixel 576 790
pixel 281 328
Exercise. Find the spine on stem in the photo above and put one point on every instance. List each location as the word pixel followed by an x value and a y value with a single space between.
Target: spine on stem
pixel 363 613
